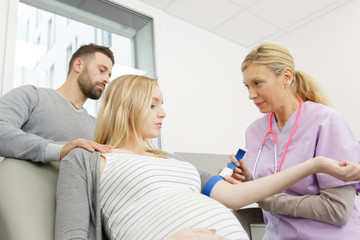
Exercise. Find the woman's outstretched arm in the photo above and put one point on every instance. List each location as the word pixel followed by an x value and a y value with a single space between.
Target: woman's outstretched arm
pixel 239 195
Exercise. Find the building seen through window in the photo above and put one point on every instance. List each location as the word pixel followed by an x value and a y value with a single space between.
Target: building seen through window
pixel 46 41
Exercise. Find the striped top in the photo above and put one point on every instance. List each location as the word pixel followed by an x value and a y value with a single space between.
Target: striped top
pixel 143 197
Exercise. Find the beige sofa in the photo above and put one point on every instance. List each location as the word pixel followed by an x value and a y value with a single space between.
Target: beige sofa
pixel 27 200
pixel 27 197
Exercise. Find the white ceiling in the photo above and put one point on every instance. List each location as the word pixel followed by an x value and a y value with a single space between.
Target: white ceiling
pixel 248 22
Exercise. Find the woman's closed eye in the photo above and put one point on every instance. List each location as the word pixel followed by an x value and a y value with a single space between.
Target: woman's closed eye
pixel 257 83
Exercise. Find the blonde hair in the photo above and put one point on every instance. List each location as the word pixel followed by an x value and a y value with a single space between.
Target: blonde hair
pixel 124 106
pixel 278 58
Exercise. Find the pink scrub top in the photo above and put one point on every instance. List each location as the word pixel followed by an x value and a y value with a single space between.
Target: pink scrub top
pixel 321 132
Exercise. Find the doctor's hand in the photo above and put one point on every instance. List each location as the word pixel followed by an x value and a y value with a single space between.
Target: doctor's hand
pixel 195 234
pixel 91 146
pixel 240 174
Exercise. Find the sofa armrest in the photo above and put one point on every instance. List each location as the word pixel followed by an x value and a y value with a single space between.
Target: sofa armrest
pixel 27 199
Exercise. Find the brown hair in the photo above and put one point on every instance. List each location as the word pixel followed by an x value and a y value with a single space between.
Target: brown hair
pixel 88 50
pixel 278 58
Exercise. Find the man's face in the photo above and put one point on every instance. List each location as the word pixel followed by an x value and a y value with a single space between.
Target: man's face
pixel 95 75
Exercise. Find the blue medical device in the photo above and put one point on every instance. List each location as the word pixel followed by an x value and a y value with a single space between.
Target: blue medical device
pixel 226 171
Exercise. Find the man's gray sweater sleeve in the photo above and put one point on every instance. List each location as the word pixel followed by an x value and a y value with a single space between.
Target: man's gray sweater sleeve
pixel 15 109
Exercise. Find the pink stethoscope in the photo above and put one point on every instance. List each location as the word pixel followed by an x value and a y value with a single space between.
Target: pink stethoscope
pixel 275 141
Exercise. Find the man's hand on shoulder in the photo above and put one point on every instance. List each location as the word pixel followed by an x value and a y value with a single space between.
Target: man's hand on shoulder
pixel 91 146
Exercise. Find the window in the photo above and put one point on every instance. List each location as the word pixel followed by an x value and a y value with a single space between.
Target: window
pixel 75 43
pixel 50 77
pixel 106 38
pixel 55 29
pixel 69 52
pixel 51 32
pixel 62 28
pixel 27 30
pixel 37 17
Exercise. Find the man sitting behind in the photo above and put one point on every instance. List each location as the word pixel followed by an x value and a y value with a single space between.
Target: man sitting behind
pixel 32 119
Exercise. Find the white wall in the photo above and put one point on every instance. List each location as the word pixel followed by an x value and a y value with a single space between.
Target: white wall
pixel 207 102
pixel 203 82
pixel 200 76
pixel 329 50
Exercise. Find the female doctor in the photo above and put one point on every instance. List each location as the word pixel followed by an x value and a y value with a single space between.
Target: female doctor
pixel 298 125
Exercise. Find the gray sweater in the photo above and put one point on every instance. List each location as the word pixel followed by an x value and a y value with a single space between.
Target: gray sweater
pixel 77 196
pixel 32 119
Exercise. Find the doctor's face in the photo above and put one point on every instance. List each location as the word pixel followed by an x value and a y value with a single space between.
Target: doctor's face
pixel 153 120
pixel 265 88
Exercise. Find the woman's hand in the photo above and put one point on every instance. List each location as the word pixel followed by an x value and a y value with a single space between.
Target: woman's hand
pixel 195 234
pixel 350 171
pixel 345 171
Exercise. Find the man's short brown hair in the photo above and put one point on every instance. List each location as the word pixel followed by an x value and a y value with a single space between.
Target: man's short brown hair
pixel 90 49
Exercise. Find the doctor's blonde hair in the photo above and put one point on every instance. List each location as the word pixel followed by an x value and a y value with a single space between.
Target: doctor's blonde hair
pixel 124 106
pixel 278 58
